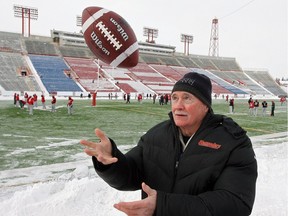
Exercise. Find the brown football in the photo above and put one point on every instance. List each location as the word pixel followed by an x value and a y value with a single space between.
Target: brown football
pixel 110 37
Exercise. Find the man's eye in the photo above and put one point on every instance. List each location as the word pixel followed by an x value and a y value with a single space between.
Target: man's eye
pixel 187 98
pixel 174 98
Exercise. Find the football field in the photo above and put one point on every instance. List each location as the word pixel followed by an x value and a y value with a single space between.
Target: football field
pixel 46 138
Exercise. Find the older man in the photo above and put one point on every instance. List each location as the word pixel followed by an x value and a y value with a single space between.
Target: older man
pixel 196 163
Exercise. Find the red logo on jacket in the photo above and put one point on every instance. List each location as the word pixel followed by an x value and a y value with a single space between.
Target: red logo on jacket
pixel 209 144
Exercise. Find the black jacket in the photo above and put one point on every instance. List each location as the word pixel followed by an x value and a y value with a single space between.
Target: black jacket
pixel 216 175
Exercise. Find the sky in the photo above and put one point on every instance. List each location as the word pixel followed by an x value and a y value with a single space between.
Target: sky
pixel 252 31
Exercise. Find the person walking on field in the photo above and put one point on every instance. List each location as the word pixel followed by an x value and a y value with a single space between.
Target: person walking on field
pixel 43 101
pixel 35 98
pixel 251 107
pixel 53 104
pixel 231 105
pixel 30 102
pixel 70 105
pixel 272 108
pixel 256 105
pixel 195 163
pixel 264 108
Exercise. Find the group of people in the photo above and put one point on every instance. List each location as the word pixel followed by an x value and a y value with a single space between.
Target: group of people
pixel 254 106
pixel 31 101
pixel 194 163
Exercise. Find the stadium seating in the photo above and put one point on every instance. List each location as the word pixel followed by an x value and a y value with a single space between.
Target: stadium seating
pixel 11 77
pixel 144 73
pixel 40 47
pixel 264 79
pixel 71 68
pixel 10 42
pixel 167 72
pixel 232 89
pixel 51 71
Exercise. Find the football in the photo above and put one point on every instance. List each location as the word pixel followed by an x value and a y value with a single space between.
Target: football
pixel 110 37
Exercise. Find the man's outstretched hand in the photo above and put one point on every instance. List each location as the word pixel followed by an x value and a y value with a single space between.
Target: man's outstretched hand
pixel 102 150
pixel 145 207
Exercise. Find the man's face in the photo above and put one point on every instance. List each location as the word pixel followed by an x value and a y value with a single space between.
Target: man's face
pixel 188 111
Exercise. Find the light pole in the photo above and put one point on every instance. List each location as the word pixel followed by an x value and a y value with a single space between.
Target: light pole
pixel 25 12
pixel 187 39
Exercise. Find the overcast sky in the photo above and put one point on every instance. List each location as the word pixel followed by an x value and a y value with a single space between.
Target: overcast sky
pixel 252 31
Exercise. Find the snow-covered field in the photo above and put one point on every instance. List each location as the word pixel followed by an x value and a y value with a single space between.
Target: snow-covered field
pixel 33 191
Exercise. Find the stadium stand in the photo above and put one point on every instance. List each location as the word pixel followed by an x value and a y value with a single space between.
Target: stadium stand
pixel 10 42
pixel 167 72
pixel 64 63
pixel 144 73
pixel 226 64
pixel 15 74
pixel 241 81
pixel 78 52
pixel 51 70
pixel 222 83
pixel 264 79
pixel 40 47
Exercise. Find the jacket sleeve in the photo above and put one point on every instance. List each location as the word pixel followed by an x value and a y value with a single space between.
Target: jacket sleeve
pixel 232 194
pixel 122 175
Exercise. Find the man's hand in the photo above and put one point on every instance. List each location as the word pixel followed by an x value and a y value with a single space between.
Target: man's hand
pixel 102 150
pixel 145 207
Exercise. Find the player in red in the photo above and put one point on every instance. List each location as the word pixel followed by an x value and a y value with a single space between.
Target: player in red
pixel 43 101
pixel 53 104
pixel 70 105
pixel 30 102
pixel 35 98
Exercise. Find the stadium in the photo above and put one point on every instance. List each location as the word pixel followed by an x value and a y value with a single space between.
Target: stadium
pixel 43 170
pixel 63 65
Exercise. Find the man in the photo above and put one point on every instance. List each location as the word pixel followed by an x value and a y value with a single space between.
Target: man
pixel 30 102
pixel 70 105
pixel 196 163
pixel 53 104
pixel 264 107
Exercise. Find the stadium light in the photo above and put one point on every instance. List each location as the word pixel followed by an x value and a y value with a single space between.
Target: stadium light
pixel 151 33
pixel 187 39
pixel 78 20
pixel 25 12
pixel 214 39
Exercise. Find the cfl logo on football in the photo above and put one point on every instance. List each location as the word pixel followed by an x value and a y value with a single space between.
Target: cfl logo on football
pixel 107 34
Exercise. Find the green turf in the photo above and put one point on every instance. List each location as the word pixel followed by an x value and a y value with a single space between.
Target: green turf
pixel 47 137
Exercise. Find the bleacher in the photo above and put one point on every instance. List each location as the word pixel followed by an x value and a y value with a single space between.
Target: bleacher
pixel 10 42
pixel 168 72
pixel 66 67
pixel 145 74
pixel 264 79
pixel 14 73
pixel 240 80
pixel 232 89
pixel 51 70
pixel 83 68
pixel 77 52
pixel 226 64
pixel 40 47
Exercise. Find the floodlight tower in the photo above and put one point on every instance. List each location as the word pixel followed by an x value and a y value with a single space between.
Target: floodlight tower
pixel 187 39
pixel 25 12
pixel 214 39
pixel 78 20
pixel 151 33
